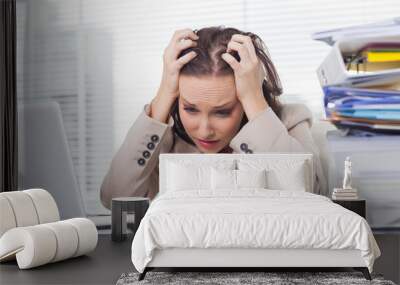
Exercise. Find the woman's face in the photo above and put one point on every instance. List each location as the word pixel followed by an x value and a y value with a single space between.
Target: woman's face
pixel 209 110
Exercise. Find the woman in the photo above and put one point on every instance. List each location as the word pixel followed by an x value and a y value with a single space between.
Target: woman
pixel 218 94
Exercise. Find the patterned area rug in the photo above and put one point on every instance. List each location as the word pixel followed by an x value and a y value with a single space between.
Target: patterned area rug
pixel 225 278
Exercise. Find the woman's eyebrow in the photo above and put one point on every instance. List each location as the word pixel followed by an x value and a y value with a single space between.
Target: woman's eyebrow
pixel 217 107
pixel 223 105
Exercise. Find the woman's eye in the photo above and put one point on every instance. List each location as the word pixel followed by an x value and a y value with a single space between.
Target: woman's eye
pixel 190 110
pixel 224 112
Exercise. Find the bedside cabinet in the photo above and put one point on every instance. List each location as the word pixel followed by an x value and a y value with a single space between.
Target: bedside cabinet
pixel 126 213
pixel 357 206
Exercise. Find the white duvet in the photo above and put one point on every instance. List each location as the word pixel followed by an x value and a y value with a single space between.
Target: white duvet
pixel 251 218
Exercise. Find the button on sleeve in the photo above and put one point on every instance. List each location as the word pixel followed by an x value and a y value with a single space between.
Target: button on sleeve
pixel 243 146
pixel 150 145
pixel 146 154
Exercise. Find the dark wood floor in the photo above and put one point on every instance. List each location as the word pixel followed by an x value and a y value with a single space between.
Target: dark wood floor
pixel 102 266
pixel 110 259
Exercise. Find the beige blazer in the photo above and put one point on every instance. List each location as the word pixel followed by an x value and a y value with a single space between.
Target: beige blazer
pixel 134 168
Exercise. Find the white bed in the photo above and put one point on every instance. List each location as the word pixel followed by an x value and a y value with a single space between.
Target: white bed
pixel 202 220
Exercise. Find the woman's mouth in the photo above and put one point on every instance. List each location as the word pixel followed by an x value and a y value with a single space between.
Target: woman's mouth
pixel 207 143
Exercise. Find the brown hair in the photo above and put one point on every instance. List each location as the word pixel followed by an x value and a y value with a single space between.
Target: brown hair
pixel 212 43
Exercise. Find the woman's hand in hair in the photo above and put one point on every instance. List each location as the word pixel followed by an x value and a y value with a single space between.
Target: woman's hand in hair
pixel 169 87
pixel 181 40
pixel 249 74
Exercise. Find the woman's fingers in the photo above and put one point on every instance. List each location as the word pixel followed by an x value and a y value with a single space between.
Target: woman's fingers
pixel 249 62
pixel 185 59
pixel 182 39
pixel 248 43
pixel 179 43
pixel 248 58
pixel 231 61
pixel 176 49
pixel 183 34
pixel 241 49
pixel 184 44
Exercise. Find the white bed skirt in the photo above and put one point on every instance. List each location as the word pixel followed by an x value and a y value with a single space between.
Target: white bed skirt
pixel 252 257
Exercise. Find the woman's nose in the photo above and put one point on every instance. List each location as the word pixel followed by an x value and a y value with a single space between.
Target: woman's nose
pixel 205 129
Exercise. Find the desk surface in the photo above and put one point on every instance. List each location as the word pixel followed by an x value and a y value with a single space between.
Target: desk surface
pixel 93 268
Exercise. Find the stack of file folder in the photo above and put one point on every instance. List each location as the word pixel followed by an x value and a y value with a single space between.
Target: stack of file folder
pixel 383 28
pixel 360 77
pixel 370 110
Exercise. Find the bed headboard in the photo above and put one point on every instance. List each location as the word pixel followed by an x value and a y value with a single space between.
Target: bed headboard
pixel 199 159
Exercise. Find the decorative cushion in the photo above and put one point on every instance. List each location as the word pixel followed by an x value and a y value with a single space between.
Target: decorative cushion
pixel 293 179
pixel 183 175
pixel 251 178
pixel 223 179
pixel 235 179
pixel 281 174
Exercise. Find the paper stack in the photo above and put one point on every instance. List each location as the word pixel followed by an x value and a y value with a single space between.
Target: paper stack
pixel 344 194
pixel 369 110
pixel 360 77
pixel 387 27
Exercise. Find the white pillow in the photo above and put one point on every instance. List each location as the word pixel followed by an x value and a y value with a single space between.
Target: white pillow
pixel 229 179
pixel 281 174
pixel 293 179
pixel 251 178
pixel 181 177
pixel 184 174
pixel 223 179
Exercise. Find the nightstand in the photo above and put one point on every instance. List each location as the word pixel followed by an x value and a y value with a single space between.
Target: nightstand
pixel 358 206
pixel 127 212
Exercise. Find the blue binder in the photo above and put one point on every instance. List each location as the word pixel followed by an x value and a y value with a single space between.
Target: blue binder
pixel 362 103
